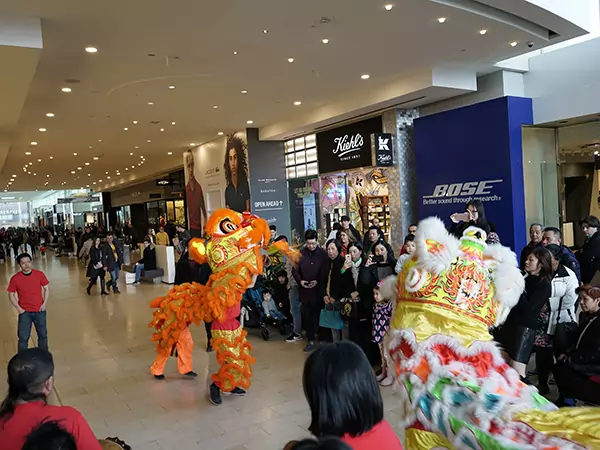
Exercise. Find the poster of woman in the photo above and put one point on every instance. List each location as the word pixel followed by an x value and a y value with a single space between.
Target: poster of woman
pixel 237 192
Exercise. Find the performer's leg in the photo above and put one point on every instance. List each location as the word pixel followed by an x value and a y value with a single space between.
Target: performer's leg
pixel 158 367
pixel 185 349
pixel 207 326
pixel 233 356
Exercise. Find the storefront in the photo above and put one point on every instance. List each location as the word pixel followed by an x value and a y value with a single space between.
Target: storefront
pixel 338 172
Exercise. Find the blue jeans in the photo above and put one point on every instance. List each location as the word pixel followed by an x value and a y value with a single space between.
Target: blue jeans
pixel 296 309
pixel 114 279
pixel 138 272
pixel 24 329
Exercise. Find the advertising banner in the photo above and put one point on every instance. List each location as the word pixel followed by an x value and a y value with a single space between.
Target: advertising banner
pixel 267 181
pixel 304 207
pixel 347 147
pixel 475 153
pixel 216 176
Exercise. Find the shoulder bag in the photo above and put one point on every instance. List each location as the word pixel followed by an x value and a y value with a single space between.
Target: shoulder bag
pixel 564 333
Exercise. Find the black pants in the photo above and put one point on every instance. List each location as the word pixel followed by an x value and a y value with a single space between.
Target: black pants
pixel 94 280
pixel 573 384
pixel 544 360
pixel 310 317
pixel 207 326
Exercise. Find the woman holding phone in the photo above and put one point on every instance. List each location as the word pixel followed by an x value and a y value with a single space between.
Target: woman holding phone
pixel 474 216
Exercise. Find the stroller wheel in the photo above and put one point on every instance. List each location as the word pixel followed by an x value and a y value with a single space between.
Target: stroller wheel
pixel 265 334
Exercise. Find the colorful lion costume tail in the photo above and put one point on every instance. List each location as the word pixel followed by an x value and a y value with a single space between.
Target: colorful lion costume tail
pixel 233 251
pixel 457 392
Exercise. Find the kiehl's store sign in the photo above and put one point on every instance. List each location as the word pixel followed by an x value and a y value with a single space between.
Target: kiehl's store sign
pixel 348 147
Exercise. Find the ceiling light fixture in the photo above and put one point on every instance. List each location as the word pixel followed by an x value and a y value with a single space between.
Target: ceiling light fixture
pixel 150 103
pixel 297 103
pixel 514 43
pixel 388 7
pixel 169 153
pixel 131 154
pixel 192 144
pixel 220 133
pixel 482 32
pixel 441 19
pixel 135 122
pixel 290 60
pixel 137 146
pixel 33 143
pixel 79 168
pixel 265 31
pixel 74 154
pixel 28 153
pixel 72 171
pixel 173 123
pixel 171 87
pixel 39 160
pixel 125 129
pixel 148 140
pixel 235 53
pixel 87 163
pixel 365 76
pixel 96 158
pixel 66 89
pixel 49 114
pixel 215 106
pixel 52 157
pixel 325 41
pixel 91 49
pixel 43 130
pixel 244 92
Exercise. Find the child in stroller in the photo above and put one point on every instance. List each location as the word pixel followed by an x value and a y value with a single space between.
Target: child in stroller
pixel 260 310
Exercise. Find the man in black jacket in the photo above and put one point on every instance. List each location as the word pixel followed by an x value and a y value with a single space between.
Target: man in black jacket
pixel 352 232
pixel 113 260
pixel 589 257
pixel 536 233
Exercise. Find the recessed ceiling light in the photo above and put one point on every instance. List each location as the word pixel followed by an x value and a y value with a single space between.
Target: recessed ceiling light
pixel 14 176
pixel 42 130
pixel 126 168
pixel 171 87
pixel 235 53
pixel 79 168
pixel 297 103
pixel 365 76
pixel 325 41
pixel 131 154
pixel 33 143
pixel 74 154
pixel 441 19
pixel 87 163
pixel 87 185
pixel 91 49
pixel 125 129
pixel 148 140
pixel 249 122
pixel 244 92
pixel 137 146
pixel 482 32
pixel 94 182
pixel 108 178
pixel 135 122
pixel 49 114
pixel 39 160
pixel 514 43
pixel 173 123
pixel 106 173
pixel 99 140
pixel 133 167
pixel 150 103
pixel 89 174
pixel 99 181
pixel 215 106
pixel 162 129
pixel 192 144
pixel 169 153
pixel 66 89
pixel 265 31
pixel 220 133
pixel 52 157
pixel 28 153
pixel 388 7
pixel 72 171
pixel 95 158
pixel 290 60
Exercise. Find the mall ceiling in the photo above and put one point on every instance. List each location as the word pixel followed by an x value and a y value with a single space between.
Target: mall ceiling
pixel 148 79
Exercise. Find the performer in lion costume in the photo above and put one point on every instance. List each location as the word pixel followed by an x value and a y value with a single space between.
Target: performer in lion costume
pixel 456 390
pixel 233 251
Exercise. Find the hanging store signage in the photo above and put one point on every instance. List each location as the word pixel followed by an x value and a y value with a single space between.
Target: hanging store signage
pixel 383 143
pixel 78 200
pixel 347 147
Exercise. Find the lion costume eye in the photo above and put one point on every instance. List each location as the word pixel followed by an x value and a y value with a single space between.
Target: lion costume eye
pixel 227 226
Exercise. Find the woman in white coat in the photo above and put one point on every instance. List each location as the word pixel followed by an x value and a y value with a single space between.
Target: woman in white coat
pixel 559 309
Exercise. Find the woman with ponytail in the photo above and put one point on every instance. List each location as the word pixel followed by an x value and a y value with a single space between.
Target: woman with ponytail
pixel 30 381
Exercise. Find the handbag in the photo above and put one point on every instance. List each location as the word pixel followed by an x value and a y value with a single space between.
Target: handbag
pixel 349 309
pixel 329 318
pixel 565 333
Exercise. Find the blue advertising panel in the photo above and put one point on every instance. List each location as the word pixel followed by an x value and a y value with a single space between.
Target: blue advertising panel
pixel 471 153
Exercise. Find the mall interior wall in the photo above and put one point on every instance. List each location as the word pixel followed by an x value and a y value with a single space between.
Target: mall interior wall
pixel 475 152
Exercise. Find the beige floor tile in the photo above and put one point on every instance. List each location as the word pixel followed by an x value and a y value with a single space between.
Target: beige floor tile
pixel 103 352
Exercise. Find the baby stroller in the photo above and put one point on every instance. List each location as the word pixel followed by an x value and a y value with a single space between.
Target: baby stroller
pixel 253 315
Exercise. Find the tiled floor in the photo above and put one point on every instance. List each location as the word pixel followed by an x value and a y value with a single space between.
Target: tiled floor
pixel 102 353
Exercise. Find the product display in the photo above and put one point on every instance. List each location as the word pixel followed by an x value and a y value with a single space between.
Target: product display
pixel 233 251
pixel 376 211
pixel 456 390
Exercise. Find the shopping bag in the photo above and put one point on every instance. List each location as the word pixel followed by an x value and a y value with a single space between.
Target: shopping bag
pixel 331 319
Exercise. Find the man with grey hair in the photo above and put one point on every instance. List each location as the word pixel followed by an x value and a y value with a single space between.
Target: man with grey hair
pixel 553 235
pixel 536 233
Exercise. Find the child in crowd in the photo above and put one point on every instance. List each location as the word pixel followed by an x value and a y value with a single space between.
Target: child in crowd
pixel 282 294
pixel 408 249
pixel 382 315
pixel 270 307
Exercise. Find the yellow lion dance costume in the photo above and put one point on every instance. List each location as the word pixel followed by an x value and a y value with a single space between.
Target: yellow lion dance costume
pixel 456 390
pixel 233 251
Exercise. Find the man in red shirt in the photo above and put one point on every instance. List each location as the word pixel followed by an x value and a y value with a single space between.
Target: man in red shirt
pixel 30 381
pixel 28 292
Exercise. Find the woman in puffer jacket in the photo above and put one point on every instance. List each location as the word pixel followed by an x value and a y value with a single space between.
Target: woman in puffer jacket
pixel 559 309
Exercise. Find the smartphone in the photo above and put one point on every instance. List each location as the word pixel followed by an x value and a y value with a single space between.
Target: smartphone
pixel 464 217
pixel 377 258
pixel 348 258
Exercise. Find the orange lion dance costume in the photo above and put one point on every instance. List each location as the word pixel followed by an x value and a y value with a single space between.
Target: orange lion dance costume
pixel 233 251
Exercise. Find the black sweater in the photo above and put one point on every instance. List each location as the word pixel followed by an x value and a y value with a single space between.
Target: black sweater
pixel 537 293
pixel 585 357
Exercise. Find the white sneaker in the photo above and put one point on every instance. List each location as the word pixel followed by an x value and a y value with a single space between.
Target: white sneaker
pixel 387 381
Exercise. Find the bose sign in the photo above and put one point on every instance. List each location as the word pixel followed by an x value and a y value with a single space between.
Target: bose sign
pixel 463 189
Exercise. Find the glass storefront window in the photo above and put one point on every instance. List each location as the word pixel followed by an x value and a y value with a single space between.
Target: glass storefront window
pixel 301 153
